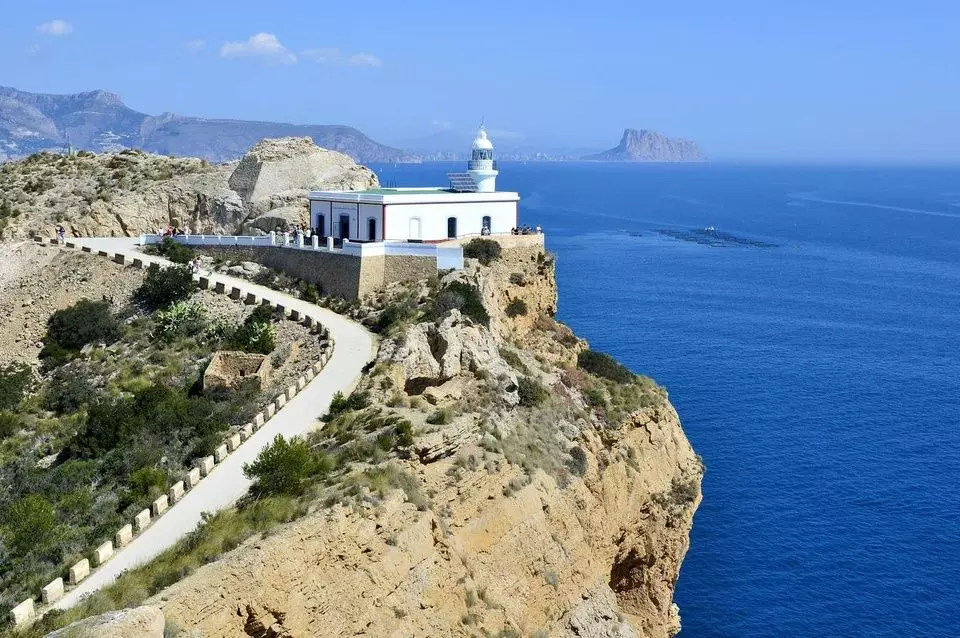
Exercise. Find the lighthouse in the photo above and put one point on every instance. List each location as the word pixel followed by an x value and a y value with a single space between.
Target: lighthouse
pixel 482 167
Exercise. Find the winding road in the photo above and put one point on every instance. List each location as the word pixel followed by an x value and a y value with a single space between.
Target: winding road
pixel 355 347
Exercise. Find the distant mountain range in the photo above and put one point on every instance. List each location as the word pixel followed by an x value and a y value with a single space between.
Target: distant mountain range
pixel 99 121
pixel 649 146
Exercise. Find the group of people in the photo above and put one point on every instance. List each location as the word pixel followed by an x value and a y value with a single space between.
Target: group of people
pixel 173 231
pixel 526 230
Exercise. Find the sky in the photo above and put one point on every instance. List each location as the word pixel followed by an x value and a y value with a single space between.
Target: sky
pixel 746 79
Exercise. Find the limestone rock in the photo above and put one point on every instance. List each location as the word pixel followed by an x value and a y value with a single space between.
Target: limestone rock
pixel 139 622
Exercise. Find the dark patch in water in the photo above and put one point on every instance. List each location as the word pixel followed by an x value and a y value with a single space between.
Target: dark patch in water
pixel 715 238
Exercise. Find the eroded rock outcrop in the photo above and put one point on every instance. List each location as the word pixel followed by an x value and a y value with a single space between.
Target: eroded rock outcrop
pixel 132 192
pixel 139 622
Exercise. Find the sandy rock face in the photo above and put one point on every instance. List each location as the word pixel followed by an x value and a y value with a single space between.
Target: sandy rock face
pixel 140 622
pixel 128 193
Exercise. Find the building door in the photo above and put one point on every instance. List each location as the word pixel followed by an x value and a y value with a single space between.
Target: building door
pixel 485 228
pixel 322 225
pixel 451 227
pixel 372 229
pixel 344 226
pixel 414 228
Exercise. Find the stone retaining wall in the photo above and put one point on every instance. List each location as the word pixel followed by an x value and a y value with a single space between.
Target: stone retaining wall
pixel 339 274
pixel 24 613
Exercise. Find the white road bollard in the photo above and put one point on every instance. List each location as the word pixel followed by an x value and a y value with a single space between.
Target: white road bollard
pixel 102 554
pixel 301 383
pixel 281 400
pixel 291 392
pixel 271 410
pixel 123 536
pixel 294 315
pixel 52 592
pixel 79 571
pixel 233 442
pixel 141 520
pixel 246 431
pixel 318 366
pixel 159 506
pixel 258 421
pixel 193 477
pixel 176 492
pixel 22 613
pixel 220 453
pixel 206 465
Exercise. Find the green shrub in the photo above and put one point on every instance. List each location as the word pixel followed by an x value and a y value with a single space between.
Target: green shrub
pixel 516 308
pixel 257 333
pixel 175 251
pixel 603 365
pixel 163 287
pixel 67 391
pixel 10 424
pixel 395 314
pixel 30 524
pixel 442 416
pixel 483 250
pixel 82 323
pixel 281 467
pixel 15 381
pixel 340 404
pixel 181 319
pixel 578 461
pixel 531 391
pixel 404 433
pixel 461 296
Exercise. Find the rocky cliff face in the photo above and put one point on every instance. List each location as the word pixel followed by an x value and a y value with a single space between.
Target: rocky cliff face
pixel 131 192
pixel 563 512
pixel 649 146
pixel 99 121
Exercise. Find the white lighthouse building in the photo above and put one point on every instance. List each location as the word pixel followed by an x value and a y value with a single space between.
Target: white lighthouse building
pixel 470 205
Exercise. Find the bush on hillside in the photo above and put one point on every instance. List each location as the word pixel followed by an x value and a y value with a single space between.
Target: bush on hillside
pixel 15 381
pixel 9 424
pixel 67 391
pixel 531 391
pixel 181 319
pixel 340 403
pixel 163 287
pixel 603 365
pixel 175 251
pixel 281 467
pixel 83 323
pixel 257 333
pixel 461 296
pixel 30 524
pixel 483 250
pixel 516 308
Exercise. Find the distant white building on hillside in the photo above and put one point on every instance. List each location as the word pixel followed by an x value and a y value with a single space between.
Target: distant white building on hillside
pixel 470 205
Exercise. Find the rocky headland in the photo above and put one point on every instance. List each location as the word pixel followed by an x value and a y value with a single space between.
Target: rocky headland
pixel 649 146
pixel 490 475
pixel 130 192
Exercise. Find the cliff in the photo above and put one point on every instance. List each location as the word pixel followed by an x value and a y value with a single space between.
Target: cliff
pixel 99 121
pixel 538 496
pixel 131 192
pixel 649 146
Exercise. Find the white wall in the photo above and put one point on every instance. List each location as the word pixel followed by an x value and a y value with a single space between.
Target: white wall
pixel 368 212
pixel 317 210
pixel 433 219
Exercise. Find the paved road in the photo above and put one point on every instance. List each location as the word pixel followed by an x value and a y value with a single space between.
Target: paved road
pixel 354 348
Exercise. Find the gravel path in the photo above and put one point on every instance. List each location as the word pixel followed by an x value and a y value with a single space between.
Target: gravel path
pixel 355 346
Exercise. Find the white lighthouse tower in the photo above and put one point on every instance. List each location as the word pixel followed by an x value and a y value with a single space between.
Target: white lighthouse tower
pixel 482 167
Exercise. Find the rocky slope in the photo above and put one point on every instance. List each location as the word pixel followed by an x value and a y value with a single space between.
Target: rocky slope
pixel 558 512
pixel 649 146
pixel 131 192
pixel 99 121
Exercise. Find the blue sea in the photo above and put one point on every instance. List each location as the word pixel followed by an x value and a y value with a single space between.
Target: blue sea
pixel 812 349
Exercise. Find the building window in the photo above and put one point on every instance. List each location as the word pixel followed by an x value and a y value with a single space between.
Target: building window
pixel 372 229
pixel 451 227
pixel 485 228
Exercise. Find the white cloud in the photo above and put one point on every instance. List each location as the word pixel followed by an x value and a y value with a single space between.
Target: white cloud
pixel 261 45
pixel 55 27
pixel 332 56
pixel 195 46
pixel 364 59
pixel 443 124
